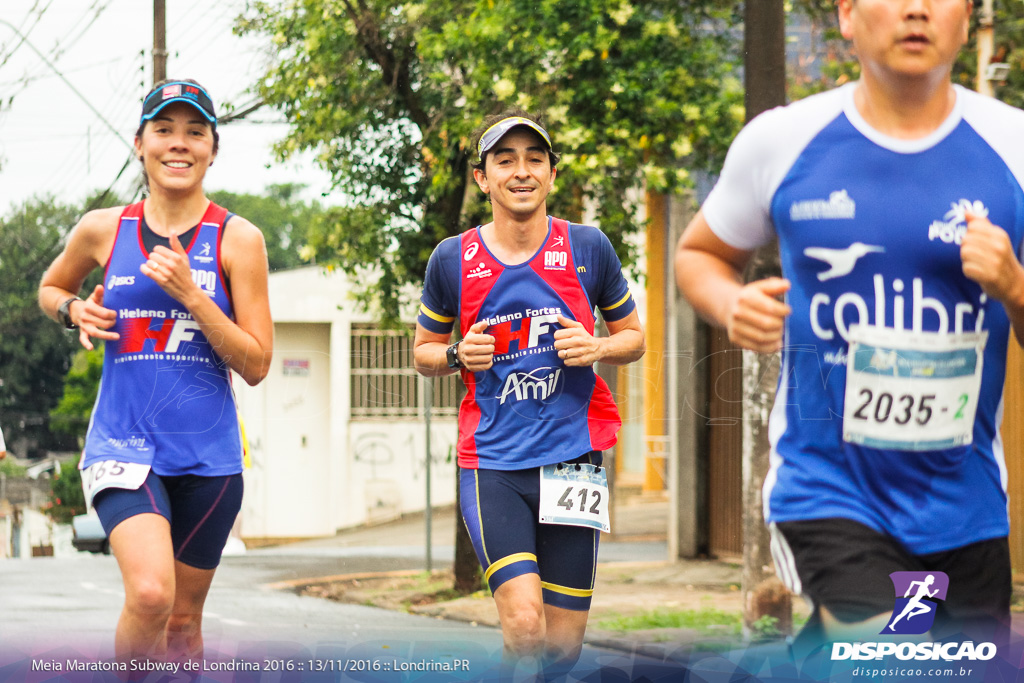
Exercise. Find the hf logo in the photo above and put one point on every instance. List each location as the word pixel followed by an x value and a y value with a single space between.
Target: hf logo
pixel 916 596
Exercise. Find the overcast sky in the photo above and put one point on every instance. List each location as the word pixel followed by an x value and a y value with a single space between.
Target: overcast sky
pixel 50 140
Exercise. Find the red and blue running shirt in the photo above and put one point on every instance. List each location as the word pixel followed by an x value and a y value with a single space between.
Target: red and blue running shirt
pixel 529 409
pixel 165 399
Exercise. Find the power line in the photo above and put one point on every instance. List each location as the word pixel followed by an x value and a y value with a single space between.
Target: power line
pixel 66 81
pixel 23 35
pixel 32 79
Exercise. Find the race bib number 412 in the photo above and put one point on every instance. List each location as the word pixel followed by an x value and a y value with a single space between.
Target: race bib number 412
pixel 574 494
pixel 912 391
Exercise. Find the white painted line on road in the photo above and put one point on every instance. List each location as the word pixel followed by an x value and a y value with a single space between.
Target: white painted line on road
pixel 92 587
pixel 224 620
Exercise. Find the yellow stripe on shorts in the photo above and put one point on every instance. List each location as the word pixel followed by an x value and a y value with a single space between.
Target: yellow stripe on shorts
pixel 565 590
pixel 506 561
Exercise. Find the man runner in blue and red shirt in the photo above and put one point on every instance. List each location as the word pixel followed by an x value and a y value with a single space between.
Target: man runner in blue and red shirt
pixel 536 416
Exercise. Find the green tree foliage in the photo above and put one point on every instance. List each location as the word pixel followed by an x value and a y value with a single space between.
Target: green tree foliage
pixel 1009 48
pixel 387 94
pixel 34 351
pixel 66 496
pixel 81 384
pixel 282 217
pixel 840 61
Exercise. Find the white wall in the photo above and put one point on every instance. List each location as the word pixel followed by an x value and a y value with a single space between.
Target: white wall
pixel 313 470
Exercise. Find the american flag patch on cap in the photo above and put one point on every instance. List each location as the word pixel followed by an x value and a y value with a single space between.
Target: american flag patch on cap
pixel 172 91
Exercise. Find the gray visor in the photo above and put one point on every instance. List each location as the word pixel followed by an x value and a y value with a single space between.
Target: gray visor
pixel 498 130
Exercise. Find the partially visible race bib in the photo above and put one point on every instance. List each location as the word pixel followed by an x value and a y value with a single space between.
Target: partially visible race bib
pixel 575 495
pixel 912 391
pixel 110 474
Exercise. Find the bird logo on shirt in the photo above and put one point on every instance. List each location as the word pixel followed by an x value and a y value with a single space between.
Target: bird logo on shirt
pixel 841 261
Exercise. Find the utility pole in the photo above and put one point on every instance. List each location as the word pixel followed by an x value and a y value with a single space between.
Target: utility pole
pixel 986 40
pixel 764 42
pixel 159 40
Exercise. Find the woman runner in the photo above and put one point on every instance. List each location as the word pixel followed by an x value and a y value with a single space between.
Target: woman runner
pixel 183 302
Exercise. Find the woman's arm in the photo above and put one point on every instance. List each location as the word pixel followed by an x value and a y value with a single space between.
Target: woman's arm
pixel 245 344
pixel 87 248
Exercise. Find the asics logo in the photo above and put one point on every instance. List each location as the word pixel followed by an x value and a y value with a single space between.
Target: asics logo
pixel 120 280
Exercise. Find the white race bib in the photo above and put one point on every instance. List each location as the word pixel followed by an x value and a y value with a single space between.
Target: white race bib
pixel 575 495
pixel 109 474
pixel 912 391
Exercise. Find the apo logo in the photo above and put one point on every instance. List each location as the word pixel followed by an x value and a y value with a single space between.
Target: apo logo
pixel 120 281
pixel 952 227
pixel 914 612
pixel 206 279
pixel 555 260
pixel 471 251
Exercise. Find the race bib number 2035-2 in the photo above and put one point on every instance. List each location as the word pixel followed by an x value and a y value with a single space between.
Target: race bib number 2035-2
pixel 912 391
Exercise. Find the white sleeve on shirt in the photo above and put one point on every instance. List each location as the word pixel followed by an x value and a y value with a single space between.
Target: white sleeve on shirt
pixel 738 210
pixel 1002 127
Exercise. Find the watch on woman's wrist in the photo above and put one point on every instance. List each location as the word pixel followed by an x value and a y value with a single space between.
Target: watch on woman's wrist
pixel 64 313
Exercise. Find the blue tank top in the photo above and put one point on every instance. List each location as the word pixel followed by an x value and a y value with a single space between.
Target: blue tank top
pixel 165 399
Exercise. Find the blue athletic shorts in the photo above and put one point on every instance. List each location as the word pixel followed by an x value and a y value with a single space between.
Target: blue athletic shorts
pixel 200 510
pixel 501 509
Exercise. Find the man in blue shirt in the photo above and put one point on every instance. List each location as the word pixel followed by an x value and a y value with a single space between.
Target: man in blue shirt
pixel 897 204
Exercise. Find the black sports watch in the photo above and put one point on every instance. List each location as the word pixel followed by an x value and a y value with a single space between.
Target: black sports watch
pixel 453 356
pixel 64 313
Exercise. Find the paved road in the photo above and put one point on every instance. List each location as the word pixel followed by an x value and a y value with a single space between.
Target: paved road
pixel 56 610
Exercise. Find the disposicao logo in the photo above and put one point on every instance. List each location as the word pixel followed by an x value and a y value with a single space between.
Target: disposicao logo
pixel 916 599
pixel 916 595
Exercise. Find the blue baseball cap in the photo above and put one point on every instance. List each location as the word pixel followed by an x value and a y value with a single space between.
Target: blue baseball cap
pixel 179 91
pixel 491 136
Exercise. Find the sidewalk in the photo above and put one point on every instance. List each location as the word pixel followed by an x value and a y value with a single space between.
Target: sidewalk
pixel 634 577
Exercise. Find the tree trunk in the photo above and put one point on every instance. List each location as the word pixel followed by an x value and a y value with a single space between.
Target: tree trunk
pixel 763 595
